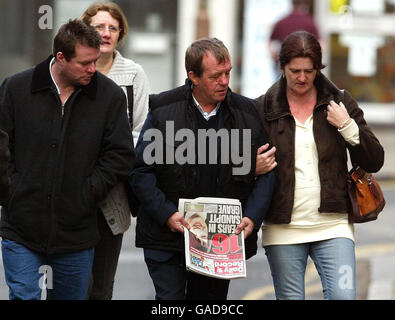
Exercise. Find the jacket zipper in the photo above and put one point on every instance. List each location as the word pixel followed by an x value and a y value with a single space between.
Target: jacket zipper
pixel 54 180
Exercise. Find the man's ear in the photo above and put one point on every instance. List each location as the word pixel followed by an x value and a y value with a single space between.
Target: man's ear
pixel 193 77
pixel 60 57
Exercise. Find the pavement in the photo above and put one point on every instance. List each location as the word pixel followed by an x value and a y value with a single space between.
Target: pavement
pixel 382 277
pixel 382 284
pixel 377 262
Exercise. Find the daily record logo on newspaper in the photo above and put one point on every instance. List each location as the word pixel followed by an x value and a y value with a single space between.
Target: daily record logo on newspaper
pixel 206 143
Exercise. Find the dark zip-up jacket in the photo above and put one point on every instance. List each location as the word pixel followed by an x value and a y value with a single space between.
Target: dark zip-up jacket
pixel 61 166
pixel 4 159
pixel 279 125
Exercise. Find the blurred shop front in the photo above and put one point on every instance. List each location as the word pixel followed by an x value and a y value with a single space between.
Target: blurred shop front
pixel 151 40
pixel 361 44
pixel 22 40
pixel 358 38
pixel 160 32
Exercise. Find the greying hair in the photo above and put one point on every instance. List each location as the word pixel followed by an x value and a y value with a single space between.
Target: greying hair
pixel 199 48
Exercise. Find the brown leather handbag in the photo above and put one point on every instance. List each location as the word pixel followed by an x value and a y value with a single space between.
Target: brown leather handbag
pixel 366 197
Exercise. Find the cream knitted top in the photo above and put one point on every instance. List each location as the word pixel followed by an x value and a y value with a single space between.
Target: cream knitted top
pixel 125 72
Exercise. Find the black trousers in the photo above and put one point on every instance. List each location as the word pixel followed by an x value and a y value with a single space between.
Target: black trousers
pixel 173 282
pixel 105 262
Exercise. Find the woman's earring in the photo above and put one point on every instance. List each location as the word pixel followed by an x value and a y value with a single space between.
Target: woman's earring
pixel 283 75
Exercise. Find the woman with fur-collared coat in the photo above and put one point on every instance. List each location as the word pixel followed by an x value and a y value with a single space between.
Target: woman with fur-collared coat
pixel 312 124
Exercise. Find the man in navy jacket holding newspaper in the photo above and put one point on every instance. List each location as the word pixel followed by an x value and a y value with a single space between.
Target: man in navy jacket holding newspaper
pixel 169 168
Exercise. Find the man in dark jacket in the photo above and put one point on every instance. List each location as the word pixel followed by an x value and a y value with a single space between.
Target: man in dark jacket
pixel 4 158
pixel 70 143
pixel 204 102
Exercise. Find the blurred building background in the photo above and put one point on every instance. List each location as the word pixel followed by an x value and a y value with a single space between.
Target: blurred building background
pixel 358 38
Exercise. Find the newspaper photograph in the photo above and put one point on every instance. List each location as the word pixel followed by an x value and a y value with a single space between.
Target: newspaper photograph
pixel 211 246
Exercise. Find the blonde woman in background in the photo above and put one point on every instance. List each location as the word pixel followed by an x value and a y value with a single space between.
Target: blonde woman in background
pixel 114 215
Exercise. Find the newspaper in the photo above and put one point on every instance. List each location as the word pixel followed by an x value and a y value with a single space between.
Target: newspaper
pixel 211 246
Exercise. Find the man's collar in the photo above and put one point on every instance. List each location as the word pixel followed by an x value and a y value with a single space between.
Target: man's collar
pixel 206 115
pixel 42 80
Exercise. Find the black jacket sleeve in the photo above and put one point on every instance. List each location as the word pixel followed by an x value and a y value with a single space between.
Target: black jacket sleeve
pixel 144 184
pixel 5 144
pixel 117 155
pixel 4 160
pixel 259 200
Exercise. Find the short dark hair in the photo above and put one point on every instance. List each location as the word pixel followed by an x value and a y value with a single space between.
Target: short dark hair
pixel 73 32
pixel 301 44
pixel 196 51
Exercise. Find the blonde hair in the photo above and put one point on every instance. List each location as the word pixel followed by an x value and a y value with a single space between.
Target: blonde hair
pixel 113 9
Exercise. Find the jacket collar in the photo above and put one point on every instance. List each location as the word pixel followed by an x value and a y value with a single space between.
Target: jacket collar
pixel 275 103
pixel 42 80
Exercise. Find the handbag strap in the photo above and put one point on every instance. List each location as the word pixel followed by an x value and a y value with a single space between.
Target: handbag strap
pixel 357 173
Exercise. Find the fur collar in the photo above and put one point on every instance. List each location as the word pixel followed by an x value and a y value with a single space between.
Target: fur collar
pixel 275 104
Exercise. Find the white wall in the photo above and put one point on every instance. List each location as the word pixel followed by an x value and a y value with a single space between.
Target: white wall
pixel 258 72
pixel 186 30
pixel 68 9
pixel 223 23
